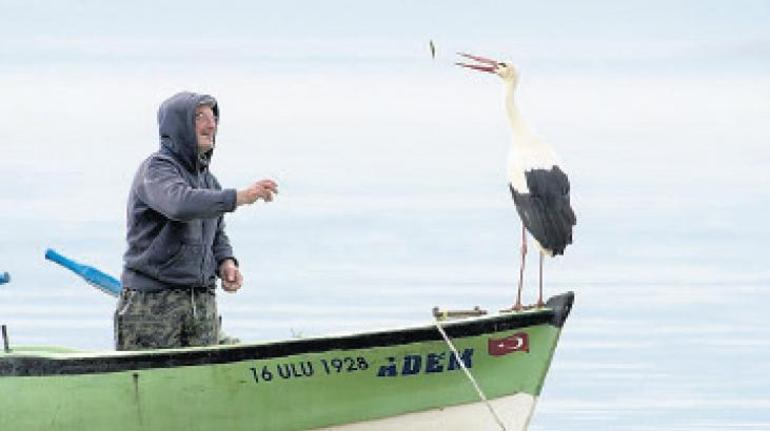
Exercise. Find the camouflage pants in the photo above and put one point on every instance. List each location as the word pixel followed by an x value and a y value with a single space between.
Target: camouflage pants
pixel 166 319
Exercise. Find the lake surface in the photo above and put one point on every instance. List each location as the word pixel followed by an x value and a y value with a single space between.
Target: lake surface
pixel 637 353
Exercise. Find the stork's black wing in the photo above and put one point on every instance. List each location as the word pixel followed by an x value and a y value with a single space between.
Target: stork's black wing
pixel 545 209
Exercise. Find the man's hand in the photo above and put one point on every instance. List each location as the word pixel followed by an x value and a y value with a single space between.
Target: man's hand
pixel 231 276
pixel 263 189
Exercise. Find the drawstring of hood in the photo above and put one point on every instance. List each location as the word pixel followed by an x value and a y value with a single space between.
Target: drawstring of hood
pixel 192 300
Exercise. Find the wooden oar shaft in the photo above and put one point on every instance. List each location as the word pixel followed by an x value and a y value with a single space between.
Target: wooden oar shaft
pixel 6 347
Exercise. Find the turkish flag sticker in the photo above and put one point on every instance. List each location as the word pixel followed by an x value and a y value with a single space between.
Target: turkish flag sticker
pixel 518 342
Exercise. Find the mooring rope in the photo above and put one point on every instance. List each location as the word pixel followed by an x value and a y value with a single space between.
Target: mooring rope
pixel 470 377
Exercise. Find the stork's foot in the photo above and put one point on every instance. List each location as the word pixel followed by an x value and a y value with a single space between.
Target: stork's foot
pixel 521 307
pixel 515 309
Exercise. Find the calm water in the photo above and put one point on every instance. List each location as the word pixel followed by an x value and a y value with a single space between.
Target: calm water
pixel 638 353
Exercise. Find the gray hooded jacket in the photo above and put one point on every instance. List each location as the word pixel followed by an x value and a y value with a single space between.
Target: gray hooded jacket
pixel 176 236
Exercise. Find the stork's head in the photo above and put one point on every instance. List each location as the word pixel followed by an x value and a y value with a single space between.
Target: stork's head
pixel 507 71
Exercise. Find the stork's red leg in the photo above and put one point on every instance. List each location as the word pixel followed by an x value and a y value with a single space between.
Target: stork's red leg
pixel 518 306
pixel 540 302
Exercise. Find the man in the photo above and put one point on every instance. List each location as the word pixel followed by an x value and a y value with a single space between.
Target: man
pixel 177 246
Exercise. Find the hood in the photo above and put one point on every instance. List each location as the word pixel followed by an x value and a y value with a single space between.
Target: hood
pixel 176 125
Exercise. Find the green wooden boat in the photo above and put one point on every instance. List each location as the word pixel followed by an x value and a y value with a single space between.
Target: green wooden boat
pixel 401 379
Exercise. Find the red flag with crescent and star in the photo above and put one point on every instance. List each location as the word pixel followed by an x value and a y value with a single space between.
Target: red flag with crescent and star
pixel 518 342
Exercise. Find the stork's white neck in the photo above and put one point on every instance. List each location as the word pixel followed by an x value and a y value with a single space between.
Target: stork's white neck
pixel 519 128
pixel 527 152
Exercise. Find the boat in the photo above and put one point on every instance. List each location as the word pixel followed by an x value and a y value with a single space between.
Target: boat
pixel 482 372
pixel 401 379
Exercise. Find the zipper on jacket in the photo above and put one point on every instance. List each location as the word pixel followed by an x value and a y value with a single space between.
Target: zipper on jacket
pixel 203 236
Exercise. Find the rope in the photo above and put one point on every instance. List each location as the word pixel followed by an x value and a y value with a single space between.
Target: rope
pixel 470 377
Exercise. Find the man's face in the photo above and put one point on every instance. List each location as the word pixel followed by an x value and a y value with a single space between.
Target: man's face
pixel 205 127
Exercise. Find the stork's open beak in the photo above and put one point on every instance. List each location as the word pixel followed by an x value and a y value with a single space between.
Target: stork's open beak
pixel 487 65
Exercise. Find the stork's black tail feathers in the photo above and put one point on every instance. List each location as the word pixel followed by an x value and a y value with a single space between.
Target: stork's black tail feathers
pixel 545 209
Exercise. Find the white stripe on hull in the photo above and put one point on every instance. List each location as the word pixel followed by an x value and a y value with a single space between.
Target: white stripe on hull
pixel 514 410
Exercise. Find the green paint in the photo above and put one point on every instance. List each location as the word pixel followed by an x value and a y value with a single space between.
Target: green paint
pixel 288 393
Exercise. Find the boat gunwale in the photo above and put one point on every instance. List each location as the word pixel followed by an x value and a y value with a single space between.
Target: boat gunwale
pixel 38 364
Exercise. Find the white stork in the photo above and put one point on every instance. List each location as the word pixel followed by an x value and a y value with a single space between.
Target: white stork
pixel 539 187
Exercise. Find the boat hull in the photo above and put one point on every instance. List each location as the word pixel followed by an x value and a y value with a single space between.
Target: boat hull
pixel 514 411
pixel 400 379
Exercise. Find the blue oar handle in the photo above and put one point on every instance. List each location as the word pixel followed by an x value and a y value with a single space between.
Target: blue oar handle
pixel 5 278
pixel 63 261
pixel 104 282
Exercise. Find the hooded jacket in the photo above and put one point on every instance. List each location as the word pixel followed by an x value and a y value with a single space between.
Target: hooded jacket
pixel 175 223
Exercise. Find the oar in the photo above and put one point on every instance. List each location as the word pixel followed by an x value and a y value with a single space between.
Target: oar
pixel 5 278
pixel 108 284
pixel 91 275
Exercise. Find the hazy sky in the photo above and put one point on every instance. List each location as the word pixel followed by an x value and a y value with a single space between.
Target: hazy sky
pixel 242 32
